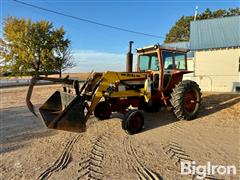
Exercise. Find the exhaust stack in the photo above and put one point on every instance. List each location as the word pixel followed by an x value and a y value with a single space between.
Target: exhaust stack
pixel 129 61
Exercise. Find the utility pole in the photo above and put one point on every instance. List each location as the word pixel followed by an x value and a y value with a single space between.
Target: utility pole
pixel 195 15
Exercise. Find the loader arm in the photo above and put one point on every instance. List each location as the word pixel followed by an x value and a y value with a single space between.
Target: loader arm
pixel 70 112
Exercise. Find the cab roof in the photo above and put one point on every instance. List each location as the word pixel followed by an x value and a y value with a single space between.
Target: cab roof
pixel 157 46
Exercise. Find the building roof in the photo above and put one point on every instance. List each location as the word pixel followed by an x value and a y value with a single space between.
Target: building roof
pixel 185 45
pixel 215 33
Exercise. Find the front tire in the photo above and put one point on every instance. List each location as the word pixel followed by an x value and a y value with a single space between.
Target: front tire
pixel 133 122
pixel 186 100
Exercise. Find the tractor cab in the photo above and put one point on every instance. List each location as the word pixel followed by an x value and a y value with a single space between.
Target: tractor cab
pixel 165 65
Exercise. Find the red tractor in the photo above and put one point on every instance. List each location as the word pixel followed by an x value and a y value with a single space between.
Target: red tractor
pixel 165 67
pixel 157 82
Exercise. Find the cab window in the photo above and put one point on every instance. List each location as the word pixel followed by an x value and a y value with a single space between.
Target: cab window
pixel 167 60
pixel 180 62
pixel 143 62
pixel 148 62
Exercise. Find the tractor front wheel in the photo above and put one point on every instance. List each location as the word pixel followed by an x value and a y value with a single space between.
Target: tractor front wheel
pixel 102 110
pixel 133 122
pixel 186 100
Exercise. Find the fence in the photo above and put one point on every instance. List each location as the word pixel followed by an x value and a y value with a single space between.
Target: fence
pixel 12 82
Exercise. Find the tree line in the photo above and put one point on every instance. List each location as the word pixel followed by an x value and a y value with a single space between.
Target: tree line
pixel 181 30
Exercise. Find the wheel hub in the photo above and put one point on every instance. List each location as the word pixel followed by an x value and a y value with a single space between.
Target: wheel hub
pixel 135 123
pixel 190 101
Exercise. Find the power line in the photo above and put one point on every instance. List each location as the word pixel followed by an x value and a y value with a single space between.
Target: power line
pixel 87 20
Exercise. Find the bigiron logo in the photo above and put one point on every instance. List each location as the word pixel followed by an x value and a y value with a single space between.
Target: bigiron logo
pixel 201 171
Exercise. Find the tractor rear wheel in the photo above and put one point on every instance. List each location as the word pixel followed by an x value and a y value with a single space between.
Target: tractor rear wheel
pixel 102 110
pixel 133 122
pixel 186 100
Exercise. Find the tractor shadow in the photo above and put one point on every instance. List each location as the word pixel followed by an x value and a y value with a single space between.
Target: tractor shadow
pixel 211 103
pixel 157 119
pixel 153 120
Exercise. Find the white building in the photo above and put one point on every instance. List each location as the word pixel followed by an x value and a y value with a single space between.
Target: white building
pixel 216 58
pixel 216 46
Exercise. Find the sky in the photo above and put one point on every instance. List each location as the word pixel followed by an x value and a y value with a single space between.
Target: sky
pixel 99 48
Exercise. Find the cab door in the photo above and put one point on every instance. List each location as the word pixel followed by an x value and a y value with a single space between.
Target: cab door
pixel 169 67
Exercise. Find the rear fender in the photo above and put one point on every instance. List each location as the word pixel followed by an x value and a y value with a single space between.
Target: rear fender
pixel 177 77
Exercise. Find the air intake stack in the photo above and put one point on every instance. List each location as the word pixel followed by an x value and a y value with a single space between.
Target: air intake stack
pixel 129 62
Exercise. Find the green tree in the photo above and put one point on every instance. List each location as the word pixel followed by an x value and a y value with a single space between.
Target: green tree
pixel 32 46
pixel 206 14
pixel 181 30
pixel 62 54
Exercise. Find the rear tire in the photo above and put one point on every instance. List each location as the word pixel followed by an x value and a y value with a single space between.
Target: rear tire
pixel 186 100
pixel 102 110
pixel 133 122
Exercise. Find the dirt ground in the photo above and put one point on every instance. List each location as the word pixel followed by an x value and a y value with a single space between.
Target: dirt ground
pixel 30 151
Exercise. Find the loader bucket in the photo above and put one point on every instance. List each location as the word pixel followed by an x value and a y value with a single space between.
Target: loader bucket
pixel 64 111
